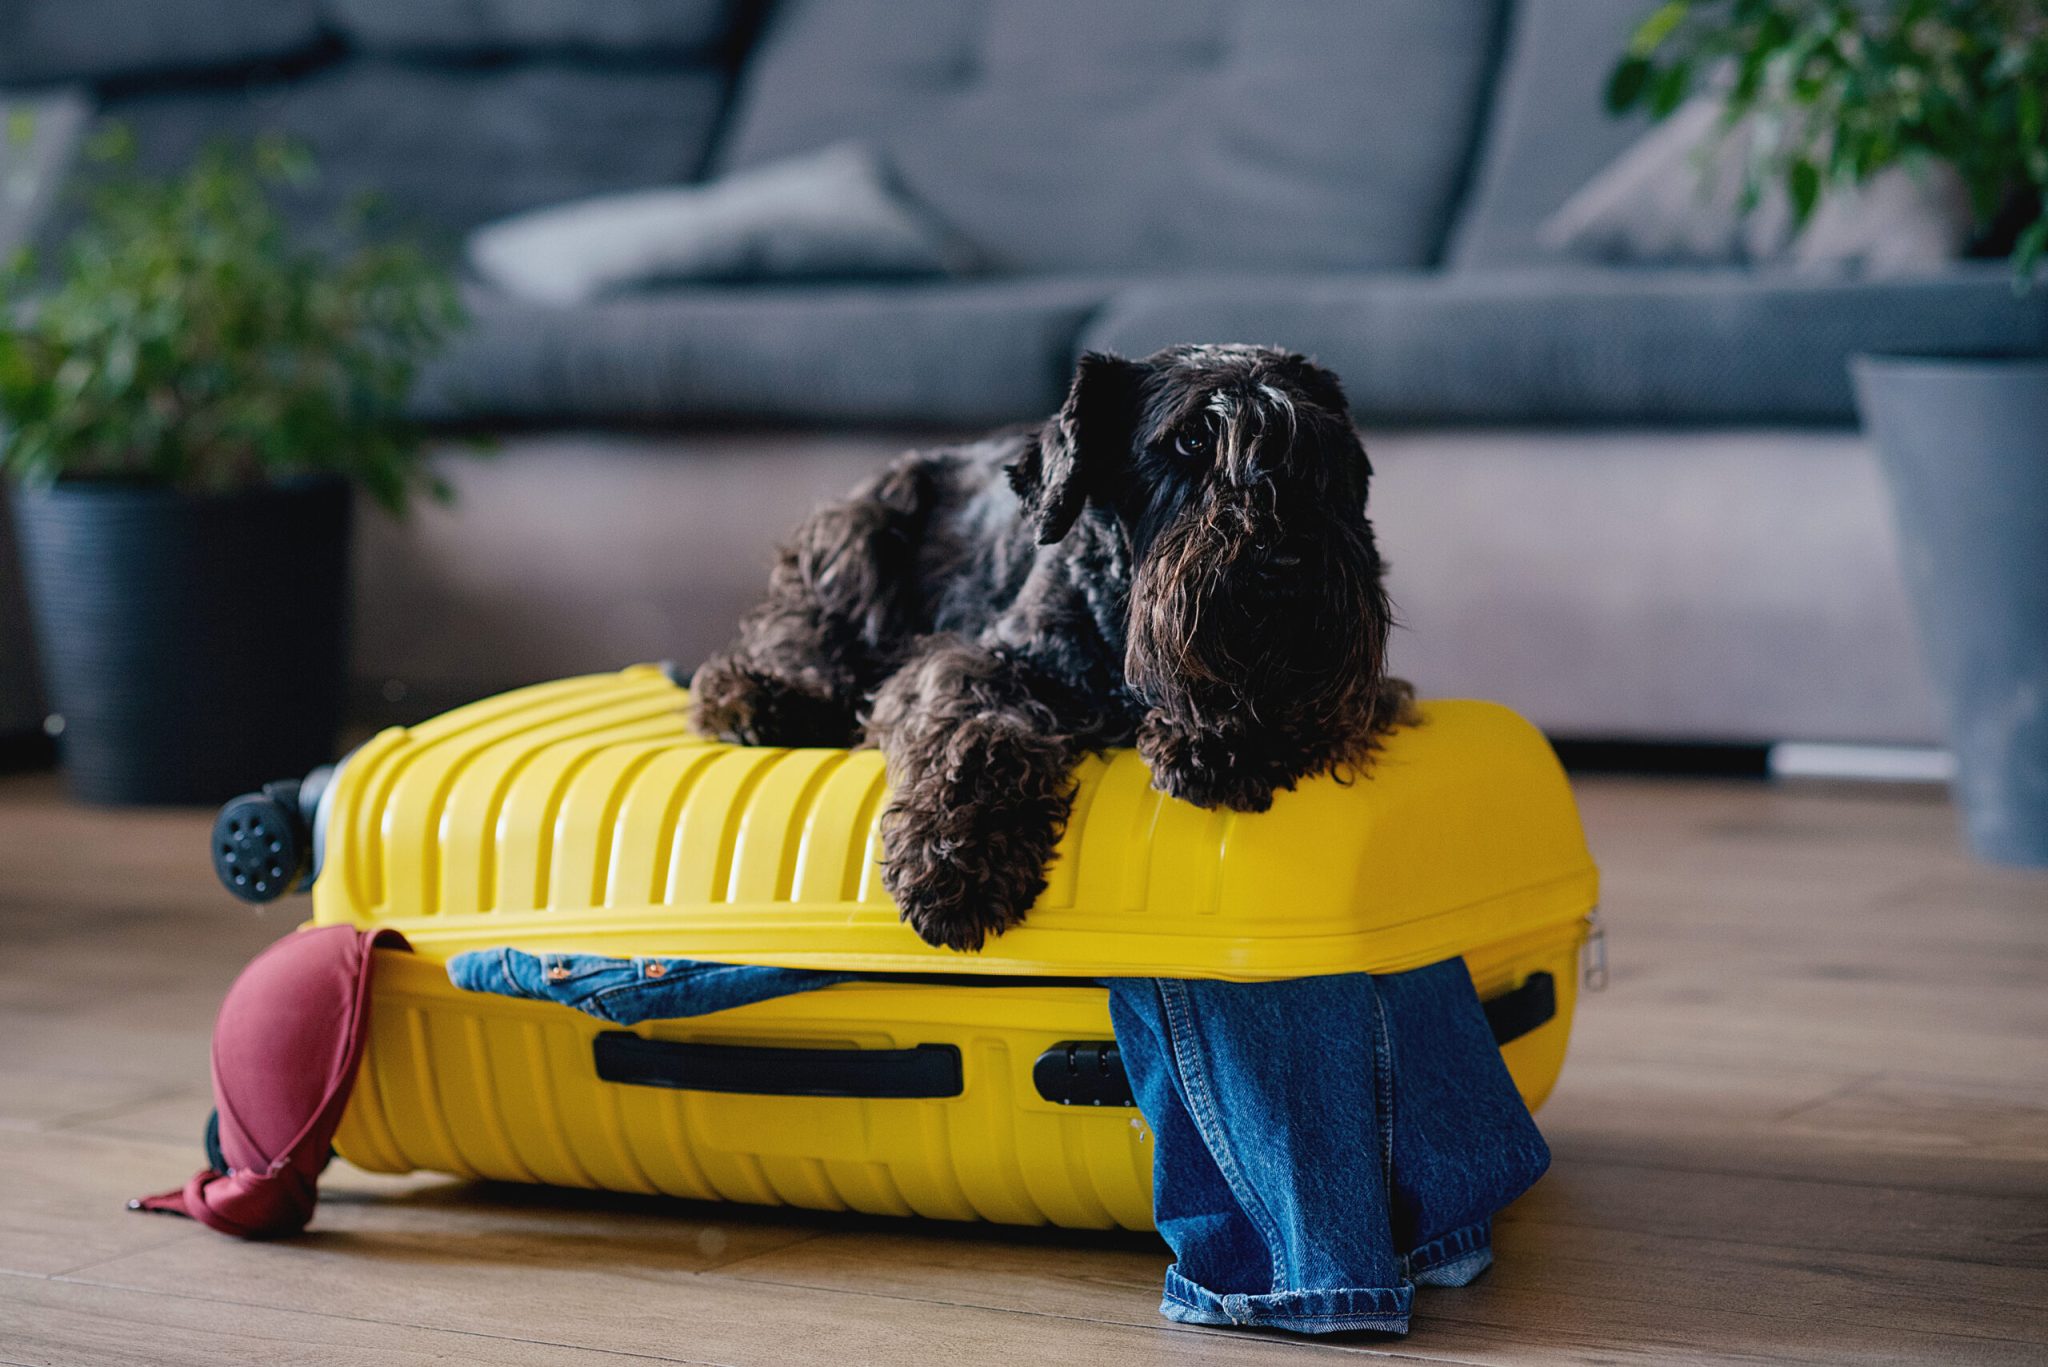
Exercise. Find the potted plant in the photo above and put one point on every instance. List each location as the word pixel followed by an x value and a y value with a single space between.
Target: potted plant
pixel 186 409
pixel 1838 91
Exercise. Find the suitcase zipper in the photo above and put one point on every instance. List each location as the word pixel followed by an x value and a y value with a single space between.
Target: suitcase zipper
pixel 1593 955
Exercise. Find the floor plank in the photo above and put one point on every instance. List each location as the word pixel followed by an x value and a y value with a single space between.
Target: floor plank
pixel 1808 1122
pixel 66 1199
pixel 69 1324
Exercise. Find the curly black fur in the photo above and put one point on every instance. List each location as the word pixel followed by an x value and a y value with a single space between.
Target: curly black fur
pixel 1179 559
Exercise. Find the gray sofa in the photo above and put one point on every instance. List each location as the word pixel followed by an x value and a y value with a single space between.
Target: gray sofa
pixel 1630 502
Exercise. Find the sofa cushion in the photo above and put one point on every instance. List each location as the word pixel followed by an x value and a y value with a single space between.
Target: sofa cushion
pixel 630 27
pixel 1547 131
pixel 1674 198
pixel 1564 344
pixel 94 40
pixel 960 355
pixel 1147 134
pixel 451 146
pixel 827 215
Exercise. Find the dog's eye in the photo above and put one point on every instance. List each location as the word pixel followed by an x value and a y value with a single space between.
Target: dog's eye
pixel 1192 445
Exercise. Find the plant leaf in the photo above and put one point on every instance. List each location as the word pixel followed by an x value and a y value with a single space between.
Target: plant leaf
pixel 1669 89
pixel 1651 33
pixel 1625 85
pixel 2026 254
pixel 1802 183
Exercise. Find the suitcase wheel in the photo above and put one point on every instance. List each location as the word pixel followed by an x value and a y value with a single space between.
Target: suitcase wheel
pixel 261 843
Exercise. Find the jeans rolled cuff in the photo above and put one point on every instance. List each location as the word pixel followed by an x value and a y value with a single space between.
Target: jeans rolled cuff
pixel 1329 1310
pixel 1453 1259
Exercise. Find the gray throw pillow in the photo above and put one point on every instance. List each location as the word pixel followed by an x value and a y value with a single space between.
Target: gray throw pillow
pixel 1674 199
pixel 40 134
pixel 831 214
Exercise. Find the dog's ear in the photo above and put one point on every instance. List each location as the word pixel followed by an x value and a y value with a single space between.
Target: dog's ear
pixel 1322 388
pixel 1085 441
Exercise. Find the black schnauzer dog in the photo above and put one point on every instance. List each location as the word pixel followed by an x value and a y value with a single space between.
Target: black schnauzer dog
pixel 1179 558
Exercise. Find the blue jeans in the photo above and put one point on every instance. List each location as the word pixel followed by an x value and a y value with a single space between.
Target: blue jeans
pixel 1321 1145
pixel 627 991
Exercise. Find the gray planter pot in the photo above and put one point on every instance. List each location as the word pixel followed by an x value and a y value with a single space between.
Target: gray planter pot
pixel 196 645
pixel 1964 445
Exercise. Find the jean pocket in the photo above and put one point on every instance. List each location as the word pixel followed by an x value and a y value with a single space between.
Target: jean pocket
pixel 559 970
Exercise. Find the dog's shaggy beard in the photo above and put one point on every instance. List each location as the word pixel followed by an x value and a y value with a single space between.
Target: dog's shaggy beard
pixel 1286 658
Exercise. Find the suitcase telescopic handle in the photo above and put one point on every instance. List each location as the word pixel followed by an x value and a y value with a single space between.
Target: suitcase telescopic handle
pixel 1072 1072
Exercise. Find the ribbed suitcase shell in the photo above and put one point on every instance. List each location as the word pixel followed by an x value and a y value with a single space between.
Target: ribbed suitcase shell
pixel 583 815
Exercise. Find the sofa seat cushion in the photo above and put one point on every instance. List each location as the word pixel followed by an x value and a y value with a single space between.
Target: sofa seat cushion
pixel 1564 344
pixel 1145 134
pixel 964 355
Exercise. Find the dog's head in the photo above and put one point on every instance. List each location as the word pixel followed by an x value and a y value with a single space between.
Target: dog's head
pixel 1237 477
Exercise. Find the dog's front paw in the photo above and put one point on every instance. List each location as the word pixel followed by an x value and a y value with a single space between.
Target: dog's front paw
pixel 979 781
pixel 732 702
pixel 1213 768
pixel 952 894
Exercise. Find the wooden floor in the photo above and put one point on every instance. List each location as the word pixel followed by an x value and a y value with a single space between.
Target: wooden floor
pixel 1808 1122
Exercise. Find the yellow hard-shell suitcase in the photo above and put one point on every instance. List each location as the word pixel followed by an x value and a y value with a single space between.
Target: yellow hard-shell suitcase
pixel 582 815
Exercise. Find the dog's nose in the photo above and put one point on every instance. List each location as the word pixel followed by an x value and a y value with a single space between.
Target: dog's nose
pixel 1279 574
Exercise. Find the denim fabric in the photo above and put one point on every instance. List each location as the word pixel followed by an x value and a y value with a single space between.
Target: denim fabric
pixel 627 991
pixel 1321 1145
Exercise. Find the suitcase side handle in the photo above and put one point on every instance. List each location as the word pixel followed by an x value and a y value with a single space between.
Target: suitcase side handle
pixel 1090 1072
pixel 1521 1010
pixel 1073 1072
pixel 927 1070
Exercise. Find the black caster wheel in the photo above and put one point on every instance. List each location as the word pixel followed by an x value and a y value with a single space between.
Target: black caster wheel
pixel 214 1159
pixel 261 844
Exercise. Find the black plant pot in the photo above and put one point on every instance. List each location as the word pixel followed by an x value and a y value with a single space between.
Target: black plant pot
pixel 1964 445
pixel 195 645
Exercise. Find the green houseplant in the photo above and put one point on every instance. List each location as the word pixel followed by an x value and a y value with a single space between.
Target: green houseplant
pixel 186 406
pixel 1837 92
pixel 1841 90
